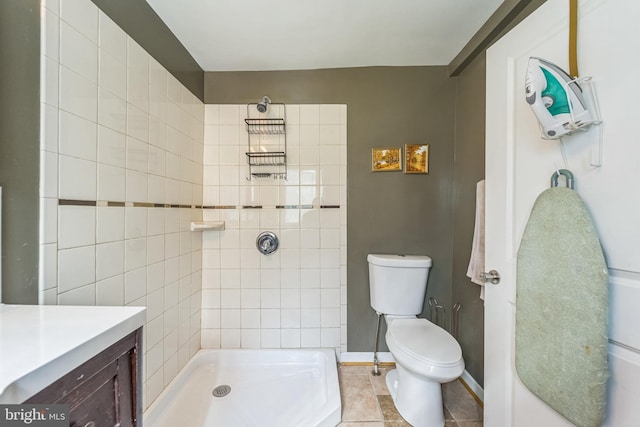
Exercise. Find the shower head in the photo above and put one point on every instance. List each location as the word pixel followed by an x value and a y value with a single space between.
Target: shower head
pixel 263 104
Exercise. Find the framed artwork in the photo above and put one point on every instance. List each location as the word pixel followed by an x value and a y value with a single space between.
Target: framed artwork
pixel 386 159
pixel 416 158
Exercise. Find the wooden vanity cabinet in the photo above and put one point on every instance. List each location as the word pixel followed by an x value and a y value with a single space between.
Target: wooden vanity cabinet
pixel 105 391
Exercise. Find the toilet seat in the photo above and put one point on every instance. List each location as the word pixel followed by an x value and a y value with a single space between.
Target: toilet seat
pixel 423 342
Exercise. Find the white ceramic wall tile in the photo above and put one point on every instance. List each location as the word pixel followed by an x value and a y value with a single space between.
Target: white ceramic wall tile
pixel 173 121
pixel 109 224
pixel 111 183
pixel 229 135
pixel 137 122
pixel 229 114
pixel 81 15
pixel 49 78
pixel 48 128
pixel 329 155
pixel 77 137
pixel 111 147
pixel 85 295
pixel 76 226
pixel 157 133
pixel 174 90
pixel 330 114
pixel 155 278
pixel 112 39
pixel 135 220
pixel 310 317
pixel 170 368
pixel 290 338
pixel 156 189
pixel 136 182
pixel 49 174
pixel 49 35
pixel 137 75
pixel 330 278
pixel 230 338
pixel 155 304
pixel 70 186
pixel 230 319
pixel 135 284
pixel 110 291
pixel 270 318
pixel 309 136
pixel 109 260
pixel 137 155
pixel 250 338
pixel 112 74
pixel 76 267
pixel 310 337
pixel 52 5
pixel 78 95
pixel 135 252
pixel 112 111
pixel 309 114
pixel 78 53
pixel 48 266
pixel 157 90
pixel 290 318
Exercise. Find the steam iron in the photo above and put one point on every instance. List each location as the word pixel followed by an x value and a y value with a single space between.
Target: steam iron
pixel 556 99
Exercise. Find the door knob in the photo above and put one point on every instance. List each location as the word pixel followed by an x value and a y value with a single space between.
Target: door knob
pixel 492 277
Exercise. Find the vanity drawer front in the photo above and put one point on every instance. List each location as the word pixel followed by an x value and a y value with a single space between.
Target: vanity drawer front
pixel 102 391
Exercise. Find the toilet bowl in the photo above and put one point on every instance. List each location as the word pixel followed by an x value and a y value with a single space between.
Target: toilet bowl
pixel 426 356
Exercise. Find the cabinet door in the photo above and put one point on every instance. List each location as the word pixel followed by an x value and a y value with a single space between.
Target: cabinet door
pixel 102 392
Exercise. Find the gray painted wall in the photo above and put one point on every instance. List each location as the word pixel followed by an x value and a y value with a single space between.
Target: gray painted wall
pixel 388 212
pixel 468 169
pixel 19 147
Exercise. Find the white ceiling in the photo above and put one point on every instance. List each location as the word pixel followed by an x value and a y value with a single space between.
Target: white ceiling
pixel 248 35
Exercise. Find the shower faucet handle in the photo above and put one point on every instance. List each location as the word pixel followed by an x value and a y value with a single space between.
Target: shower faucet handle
pixel 267 243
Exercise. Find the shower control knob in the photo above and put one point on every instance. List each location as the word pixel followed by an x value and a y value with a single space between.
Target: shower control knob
pixel 492 277
pixel 267 243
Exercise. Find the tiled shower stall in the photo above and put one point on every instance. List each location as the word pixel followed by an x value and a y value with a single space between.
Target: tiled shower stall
pixel 130 157
pixel 295 297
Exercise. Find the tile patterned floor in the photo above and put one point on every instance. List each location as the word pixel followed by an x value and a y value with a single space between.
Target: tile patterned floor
pixel 366 401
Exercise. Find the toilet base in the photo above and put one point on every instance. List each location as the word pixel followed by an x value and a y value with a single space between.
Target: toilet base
pixel 418 401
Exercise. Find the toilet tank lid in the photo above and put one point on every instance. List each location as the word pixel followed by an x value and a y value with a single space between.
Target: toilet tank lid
pixel 406 261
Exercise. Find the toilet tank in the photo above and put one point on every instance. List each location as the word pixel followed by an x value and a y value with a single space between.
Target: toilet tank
pixel 398 283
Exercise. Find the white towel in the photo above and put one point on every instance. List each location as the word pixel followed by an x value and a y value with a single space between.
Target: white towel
pixel 476 263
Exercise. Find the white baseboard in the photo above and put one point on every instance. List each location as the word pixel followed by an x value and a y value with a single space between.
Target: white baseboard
pixel 365 357
pixel 473 385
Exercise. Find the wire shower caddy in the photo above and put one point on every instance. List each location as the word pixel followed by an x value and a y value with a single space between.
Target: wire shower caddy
pixel 266 143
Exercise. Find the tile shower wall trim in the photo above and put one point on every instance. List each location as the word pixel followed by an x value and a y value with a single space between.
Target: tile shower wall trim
pixel 296 297
pixel 120 182
pixel 106 203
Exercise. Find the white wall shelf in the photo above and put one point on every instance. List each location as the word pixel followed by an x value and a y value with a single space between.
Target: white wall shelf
pixel 207 225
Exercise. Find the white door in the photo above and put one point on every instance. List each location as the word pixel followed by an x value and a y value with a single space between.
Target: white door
pixel 519 165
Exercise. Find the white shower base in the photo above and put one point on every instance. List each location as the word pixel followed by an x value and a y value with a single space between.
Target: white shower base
pixel 268 388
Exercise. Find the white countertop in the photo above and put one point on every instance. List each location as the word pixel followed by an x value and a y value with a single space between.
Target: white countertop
pixel 41 343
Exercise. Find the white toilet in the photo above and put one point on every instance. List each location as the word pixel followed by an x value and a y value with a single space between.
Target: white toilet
pixel 426 355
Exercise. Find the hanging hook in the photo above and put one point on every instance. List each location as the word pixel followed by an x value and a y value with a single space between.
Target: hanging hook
pixel 568 176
